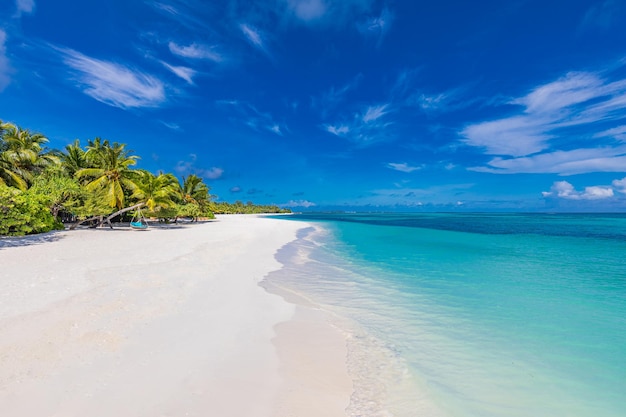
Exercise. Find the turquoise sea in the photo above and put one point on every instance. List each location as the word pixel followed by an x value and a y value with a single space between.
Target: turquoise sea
pixel 461 315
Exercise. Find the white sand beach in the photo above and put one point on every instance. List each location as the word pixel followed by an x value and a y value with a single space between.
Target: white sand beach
pixel 165 322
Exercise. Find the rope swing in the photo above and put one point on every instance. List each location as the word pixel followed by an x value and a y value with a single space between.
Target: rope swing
pixel 138 222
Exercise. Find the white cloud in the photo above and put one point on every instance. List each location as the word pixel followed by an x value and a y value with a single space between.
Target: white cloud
pixel 24 6
pixel 276 129
pixel 579 99
pixel 211 173
pixel 254 118
pixel 322 12
pixel 298 203
pixel 340 130
pixel 602 15
pixel 189 167
pixel 374 112
pixel 185 73
pixel 330 99
pixel 173 126
pixel 431 102
pixel 620 185
pixel 377 26
pixel 195 51
pixel 437 194
pixel 515 136
pixel 254 36
pixel 366 127
pixel 402 167
pixel 115 84
pixel 563 189
pixel 577 161
pixel 574 88
pixel 5 68
pixel 618 133
pixel 307 10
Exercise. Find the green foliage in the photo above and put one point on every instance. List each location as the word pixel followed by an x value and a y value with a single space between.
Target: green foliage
pixel 23 156
pixel 192 210
pixel 24 212
pixel 39 185
pixel 249 208
pixel 109 169
pixel 59 192
pixel 156 191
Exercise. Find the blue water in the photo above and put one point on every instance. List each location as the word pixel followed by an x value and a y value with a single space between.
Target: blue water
pixel 460 315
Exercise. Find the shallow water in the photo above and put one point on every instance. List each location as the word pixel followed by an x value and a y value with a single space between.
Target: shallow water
pixel 472 315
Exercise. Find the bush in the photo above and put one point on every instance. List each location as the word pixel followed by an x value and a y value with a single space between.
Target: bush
pixel 24 213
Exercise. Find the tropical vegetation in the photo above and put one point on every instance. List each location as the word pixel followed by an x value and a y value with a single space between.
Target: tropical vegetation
pixel 42 188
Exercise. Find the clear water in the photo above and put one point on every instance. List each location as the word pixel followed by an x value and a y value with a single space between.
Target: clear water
pixel 472 314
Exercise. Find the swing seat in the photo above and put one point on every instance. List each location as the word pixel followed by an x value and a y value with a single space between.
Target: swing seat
pixel 138 225
pixel 138 222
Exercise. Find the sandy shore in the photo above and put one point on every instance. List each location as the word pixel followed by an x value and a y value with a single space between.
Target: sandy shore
pixel 162 323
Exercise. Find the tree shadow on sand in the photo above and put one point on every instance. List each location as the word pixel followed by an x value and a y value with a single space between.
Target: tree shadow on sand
pixel 12 242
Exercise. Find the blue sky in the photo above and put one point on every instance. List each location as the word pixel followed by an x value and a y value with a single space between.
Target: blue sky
pixel 354 104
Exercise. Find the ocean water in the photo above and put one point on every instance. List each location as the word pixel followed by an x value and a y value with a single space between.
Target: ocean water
pixel 460 315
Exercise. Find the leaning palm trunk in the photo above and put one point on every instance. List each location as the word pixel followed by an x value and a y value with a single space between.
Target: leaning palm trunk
pixel 107 220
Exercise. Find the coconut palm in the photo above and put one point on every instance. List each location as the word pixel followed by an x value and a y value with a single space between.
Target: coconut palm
pixel 194 190
pixel 156 191
pixel 23 155
pixel 109 169
pixel 9 175
pixel 74 158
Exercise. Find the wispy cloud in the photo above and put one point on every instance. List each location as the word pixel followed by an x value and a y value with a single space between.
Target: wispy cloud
pixel 114 84
pixel 340 130
pixel 330 99
pixel 5 67
pixel 403 167
pixel 366 127
pixel 185 73
pixel 196 51
pixel 378 26
pixel 24 7
pixel 322 12
pixel 187 13
pixel 254 118
pixel 577 161
pixel 577 100
pixel 307 10
pixel 618 133
pixel 570 110
pixel 255 37
pixel 563 189
pixel 375 112
pixel 602 15
pixel 173 126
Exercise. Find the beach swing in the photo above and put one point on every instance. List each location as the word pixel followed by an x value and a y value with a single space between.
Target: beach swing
pixel 138 222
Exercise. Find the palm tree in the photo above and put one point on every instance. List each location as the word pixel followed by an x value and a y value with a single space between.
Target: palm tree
pixel 156 191
pixel 74 158
pixel 109 169
pixel 23 155
pixel 194 190
pixel 9 175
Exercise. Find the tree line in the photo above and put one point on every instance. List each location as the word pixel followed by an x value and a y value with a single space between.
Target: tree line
pixel 42 188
